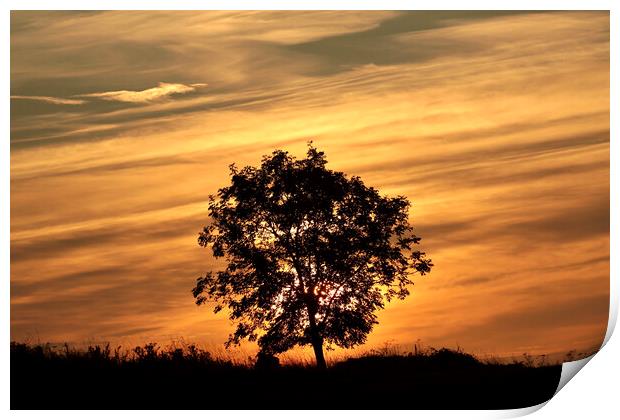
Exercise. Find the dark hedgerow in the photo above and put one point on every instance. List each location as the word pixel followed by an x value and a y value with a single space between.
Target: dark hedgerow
pixel 149 377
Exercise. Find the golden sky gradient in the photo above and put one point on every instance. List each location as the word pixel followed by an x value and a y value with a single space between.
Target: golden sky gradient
pixel 495 125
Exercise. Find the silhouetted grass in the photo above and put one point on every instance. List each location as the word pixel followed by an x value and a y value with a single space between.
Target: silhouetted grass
pixel 148 377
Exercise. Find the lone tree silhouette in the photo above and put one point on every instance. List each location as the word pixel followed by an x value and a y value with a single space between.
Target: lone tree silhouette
pixel 311 254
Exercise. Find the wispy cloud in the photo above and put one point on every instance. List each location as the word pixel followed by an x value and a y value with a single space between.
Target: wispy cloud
pixel 50 100
pixel 163 90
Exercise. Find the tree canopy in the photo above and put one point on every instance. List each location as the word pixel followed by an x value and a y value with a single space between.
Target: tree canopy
pixel 311 254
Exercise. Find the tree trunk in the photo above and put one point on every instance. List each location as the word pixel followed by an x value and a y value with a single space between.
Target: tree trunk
pixel 317 342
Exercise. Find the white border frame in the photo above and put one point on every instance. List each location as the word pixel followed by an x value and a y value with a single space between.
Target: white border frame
pixel 595 385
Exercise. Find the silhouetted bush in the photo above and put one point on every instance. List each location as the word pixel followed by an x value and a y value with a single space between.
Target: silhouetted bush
pixel 266 361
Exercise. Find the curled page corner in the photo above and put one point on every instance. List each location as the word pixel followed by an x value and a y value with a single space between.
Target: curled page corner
pixel 570 369
pixel 518 412
pixel 613 314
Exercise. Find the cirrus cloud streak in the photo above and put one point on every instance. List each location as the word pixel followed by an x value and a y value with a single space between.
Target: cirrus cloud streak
pixel 163 90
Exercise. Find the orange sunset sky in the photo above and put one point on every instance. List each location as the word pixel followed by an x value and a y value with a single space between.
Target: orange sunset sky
pixel 495 125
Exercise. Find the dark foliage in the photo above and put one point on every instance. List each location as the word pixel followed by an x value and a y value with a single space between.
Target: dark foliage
pixel 311 254
pixel 188 378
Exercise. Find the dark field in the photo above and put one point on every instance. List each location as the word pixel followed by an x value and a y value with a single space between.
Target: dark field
pixel 189 378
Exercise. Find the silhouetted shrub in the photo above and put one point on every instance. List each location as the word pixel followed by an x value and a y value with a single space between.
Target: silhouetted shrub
pixel 266 361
